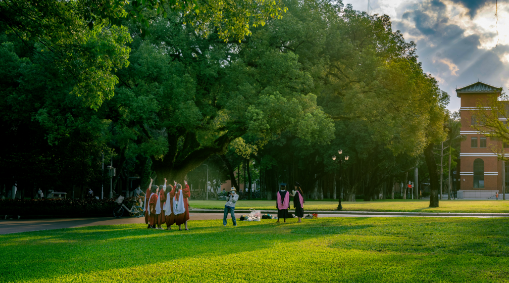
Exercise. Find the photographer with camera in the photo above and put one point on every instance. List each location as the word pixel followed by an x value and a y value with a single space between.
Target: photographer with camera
pixel 229 207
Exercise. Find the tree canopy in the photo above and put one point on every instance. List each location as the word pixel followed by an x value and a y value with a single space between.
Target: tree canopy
pixel 162 86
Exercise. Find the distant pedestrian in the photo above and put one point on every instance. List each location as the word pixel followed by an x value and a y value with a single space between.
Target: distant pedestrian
pixel 90 193
pixel 40 193
pixel 229 207
pixel 497 195
pixel 298 201
pixel 282 203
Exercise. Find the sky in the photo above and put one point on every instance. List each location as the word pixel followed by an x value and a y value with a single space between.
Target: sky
pixel 459 42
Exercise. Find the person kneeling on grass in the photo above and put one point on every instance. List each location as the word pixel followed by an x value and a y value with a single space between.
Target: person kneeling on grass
pixel 229 207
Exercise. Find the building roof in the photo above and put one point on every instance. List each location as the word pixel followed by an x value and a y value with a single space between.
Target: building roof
pixel 478 87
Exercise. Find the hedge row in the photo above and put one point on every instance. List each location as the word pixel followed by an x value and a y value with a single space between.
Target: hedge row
pixel 61 207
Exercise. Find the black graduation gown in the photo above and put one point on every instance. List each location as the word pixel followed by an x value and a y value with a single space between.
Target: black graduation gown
pixel 299 211
pixel 282 213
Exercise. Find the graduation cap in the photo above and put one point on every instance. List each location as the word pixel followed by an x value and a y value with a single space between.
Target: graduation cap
pixel 283 185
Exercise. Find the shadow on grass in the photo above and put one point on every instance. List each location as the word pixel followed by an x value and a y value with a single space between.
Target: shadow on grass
pixel 87 250
pixel 432 236
pixel 56 253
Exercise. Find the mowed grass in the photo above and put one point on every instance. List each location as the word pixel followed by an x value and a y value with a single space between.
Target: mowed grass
pixel 479 206
pixel 402 249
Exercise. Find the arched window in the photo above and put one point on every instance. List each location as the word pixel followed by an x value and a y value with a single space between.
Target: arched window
pixel 478 174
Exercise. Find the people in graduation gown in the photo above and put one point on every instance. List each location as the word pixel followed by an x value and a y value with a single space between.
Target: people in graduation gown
pixel 298 201
pixel 153 200
pixel 183 196
pixel 160 217
pixel 145 203
pixel 282 203
pixel 169 214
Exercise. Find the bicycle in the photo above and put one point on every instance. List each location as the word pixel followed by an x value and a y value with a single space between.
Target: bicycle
pixel 135 211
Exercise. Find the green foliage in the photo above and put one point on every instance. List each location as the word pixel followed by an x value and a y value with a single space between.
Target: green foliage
pixel 334 249
pixel 367 78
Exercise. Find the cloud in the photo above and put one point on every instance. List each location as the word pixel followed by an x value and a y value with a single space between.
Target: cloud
pixel 452 67
pixel 457 43
pixel 472 5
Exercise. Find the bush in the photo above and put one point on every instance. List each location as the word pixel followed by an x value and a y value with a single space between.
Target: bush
pixel 61 207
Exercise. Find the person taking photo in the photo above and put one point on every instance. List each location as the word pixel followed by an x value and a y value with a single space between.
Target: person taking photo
pixel 229 207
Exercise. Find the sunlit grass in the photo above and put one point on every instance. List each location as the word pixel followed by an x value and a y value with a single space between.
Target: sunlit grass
pixel 321 250
pixel 479 206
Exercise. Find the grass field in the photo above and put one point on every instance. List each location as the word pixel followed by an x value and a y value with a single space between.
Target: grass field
pixel 479 206
pixel 318 250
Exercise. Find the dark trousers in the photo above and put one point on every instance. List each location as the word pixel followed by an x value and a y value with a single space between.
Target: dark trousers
pixel 230 210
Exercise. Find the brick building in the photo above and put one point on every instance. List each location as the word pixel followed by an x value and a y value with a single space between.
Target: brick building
pixel 480 169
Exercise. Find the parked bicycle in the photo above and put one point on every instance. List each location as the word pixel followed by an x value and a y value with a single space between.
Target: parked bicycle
pixel 135 211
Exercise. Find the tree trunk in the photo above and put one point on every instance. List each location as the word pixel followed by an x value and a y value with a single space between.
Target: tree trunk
pixel 335 188
pixel 249 177
pixel 449 178
pixel 321 187
pixel 405 185
pixel 231 171
pixel 416 183
pixel 432 169
pixel 392 188
pixel 245 179
pixel 441 168
pixel 503 179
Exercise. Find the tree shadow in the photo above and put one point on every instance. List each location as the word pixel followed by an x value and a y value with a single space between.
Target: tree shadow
pixel 103 248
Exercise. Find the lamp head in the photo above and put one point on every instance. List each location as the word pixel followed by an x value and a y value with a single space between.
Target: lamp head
pixel 333 157
pixel 346 157
pixel 340 151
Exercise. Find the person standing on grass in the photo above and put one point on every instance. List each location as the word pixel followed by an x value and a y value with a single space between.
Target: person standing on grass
pixel 282 203
pixel 169 213
pixel 181 205
pixel 153 200
pixel 145 203
pixel 161 199
pixel 229 207
pixel 497 195
pixel 298 201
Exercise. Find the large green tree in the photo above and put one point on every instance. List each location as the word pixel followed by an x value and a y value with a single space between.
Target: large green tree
pixel 197 95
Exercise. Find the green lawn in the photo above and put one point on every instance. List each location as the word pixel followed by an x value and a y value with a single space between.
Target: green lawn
pixel 323 250
pixel 379 205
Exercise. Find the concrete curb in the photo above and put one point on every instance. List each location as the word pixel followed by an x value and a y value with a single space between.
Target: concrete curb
pixel 241 211
pixel 438 214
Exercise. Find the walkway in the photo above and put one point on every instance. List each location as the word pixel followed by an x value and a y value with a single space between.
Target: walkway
pixel 26 225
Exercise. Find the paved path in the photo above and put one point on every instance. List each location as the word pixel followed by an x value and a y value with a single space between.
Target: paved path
pixel 26 225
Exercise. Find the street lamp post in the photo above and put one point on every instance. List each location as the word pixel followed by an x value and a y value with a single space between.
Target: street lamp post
pixel 207 185
pixel 340 161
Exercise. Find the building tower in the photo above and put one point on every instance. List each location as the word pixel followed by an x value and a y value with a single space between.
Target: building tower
pixel 480 169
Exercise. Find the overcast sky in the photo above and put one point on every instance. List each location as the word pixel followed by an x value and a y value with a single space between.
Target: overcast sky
pixel 458 41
